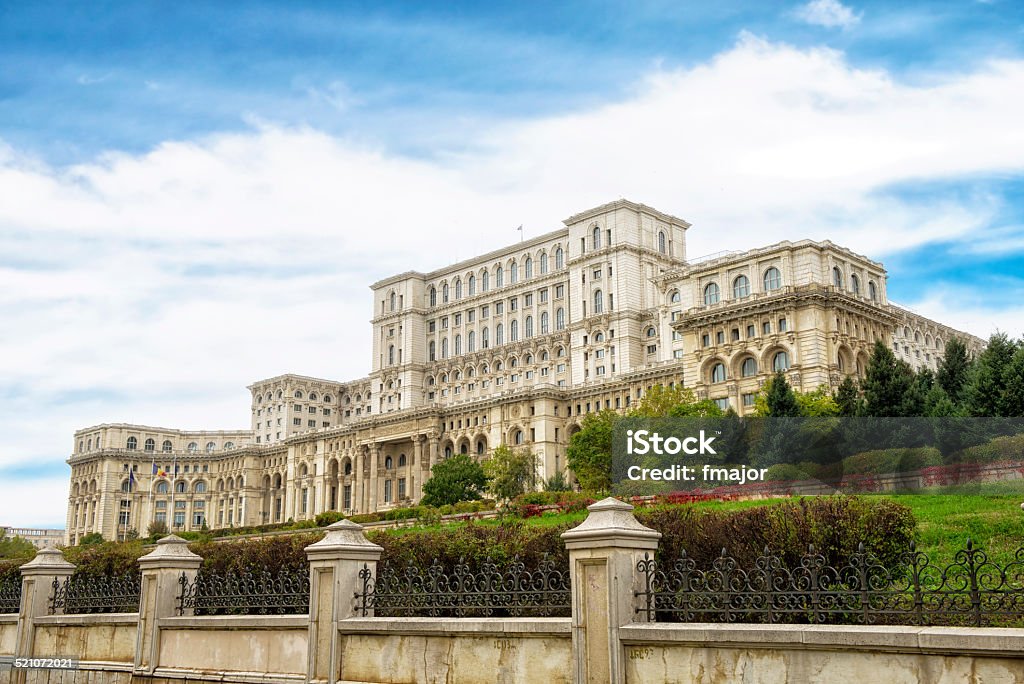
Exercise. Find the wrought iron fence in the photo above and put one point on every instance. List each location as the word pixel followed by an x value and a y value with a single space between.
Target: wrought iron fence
pixel 489 592
pixel 10 595
pixel 95 594
pixel 245 593
pixel 970 591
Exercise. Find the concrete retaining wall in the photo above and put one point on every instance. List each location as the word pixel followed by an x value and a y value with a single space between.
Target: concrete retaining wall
pixel 456 651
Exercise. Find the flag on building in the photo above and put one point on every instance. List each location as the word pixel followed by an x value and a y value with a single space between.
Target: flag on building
pixel 131 479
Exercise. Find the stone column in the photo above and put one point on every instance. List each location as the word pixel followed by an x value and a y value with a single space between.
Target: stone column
pixel 37 578
pixel 374 456
pixel 603 553
pixel 334 566
pixel 162 569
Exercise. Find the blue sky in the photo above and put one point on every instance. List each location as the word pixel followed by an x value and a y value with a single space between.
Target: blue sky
pixel 192 194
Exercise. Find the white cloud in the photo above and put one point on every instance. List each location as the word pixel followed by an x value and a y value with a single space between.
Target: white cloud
pixel 828 13
pixel 152 288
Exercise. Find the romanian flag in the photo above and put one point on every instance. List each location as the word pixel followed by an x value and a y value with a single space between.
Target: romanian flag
pixel 158 471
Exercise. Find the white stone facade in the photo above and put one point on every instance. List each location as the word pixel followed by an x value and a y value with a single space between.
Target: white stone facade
pixel 514 346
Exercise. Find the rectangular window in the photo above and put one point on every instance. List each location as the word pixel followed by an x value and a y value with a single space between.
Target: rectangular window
pixel 431 326
pixel 676 335
pixel 544 372
pixel 470 315
pixel 750 331
pixel 600 370
pixel 327 411
pixel 543 296
pixel 705 340
pixel 782 325
pixel 559 291
pixel 560 368
pixel 311 423
pixel 597 274
pixel 161 516
pixel 347 497
pixel 499 308
pixel 198 519
pixel 652 349
pixel 296 407
pixel 485 311
pixel 312 409
pixel 722 403
pixel 513 303
pixel 677 354
pixel 297 422
pixel 528 300
pixel 458 319
pixel 720 337
pixel 444 323
pixel 179 519
pixel 401 488
pixel 749 399
pixel 766 328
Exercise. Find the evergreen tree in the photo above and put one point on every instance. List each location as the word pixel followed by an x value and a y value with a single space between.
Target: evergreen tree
pixel 847 397
pixel 954 370
pixel 937 403
pixel 779 398
pixel 889 386
pixel 985 393
pixel 1013 381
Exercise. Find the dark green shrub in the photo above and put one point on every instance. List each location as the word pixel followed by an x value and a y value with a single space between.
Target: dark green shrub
pixel 883 461
pixel 274 554
pixel 107 558
pixel 836 525
pixel 1009 448
pixel 327 518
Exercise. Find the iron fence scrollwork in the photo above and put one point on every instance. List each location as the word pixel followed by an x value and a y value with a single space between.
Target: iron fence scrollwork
pixel 80 594
pixel 970 591
pixel 245 593
pixel 491 591
pixel 10 595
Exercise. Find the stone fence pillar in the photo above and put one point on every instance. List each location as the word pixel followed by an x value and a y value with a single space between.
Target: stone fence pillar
pixel 603 553
pixel 161 572
pixel 37 578
pixel 334 566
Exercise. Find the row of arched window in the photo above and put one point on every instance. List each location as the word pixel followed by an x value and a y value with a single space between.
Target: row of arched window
pixel 840 282
pixel 167 446
pixel 748 367
pixel 771 281
pixel 297 394
pixel 455 291
pixel 496 366
pixel 927 338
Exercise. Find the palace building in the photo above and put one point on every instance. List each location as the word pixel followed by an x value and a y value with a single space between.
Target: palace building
pixel 514 346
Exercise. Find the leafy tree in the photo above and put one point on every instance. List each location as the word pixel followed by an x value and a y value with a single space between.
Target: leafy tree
pixel 954 370
pixel 816 403
pixel 156 529
pixel 511 472
pixel 847 397
pixel 676 402
pixel 590 450
pixel 986 392
pixel 91 538
pixel 459 478
pixel 557 483
pixel 889 386
pixel 15 547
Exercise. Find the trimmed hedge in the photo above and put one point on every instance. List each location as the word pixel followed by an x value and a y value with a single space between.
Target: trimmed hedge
pixel 834 524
